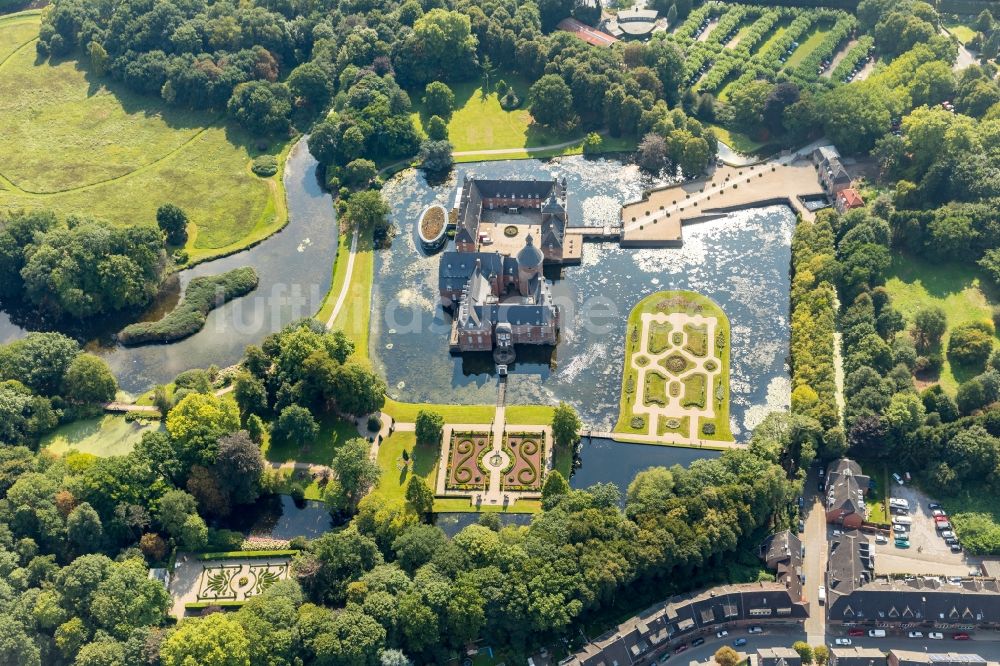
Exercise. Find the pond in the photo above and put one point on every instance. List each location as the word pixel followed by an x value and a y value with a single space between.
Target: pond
pixel 279 517
pixel 740 261
pixel 294 266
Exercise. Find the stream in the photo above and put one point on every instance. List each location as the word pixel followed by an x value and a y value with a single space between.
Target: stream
pixel 295 269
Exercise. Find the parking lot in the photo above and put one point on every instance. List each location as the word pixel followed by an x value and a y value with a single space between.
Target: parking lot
pixel 928 553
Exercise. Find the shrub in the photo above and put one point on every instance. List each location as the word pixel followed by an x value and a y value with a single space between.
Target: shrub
pixel 592 144
pixel 265 166
pixel 970 344
pixel 374 423
pixel 510 100
pixel 708 429
pixel 202 295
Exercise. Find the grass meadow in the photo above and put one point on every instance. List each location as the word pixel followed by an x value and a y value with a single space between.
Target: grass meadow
pixel 75 142
pixel 960 289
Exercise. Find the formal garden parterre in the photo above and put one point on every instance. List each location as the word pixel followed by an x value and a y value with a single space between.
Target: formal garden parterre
pixel 675 386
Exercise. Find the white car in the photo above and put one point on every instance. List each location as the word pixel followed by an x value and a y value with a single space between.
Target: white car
pixel 900 529
pixel 881 538
pixel 842 641
pixel 915 634
pixel 938 512
pixel 721 634
pixel 755 630
pixel 947 533
pixel 935 635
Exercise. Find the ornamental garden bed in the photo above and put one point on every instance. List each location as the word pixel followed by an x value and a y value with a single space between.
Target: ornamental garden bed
pixel 235 581
pixel 527 451
pixel 464 471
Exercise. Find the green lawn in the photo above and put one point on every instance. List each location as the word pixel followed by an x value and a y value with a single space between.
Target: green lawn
pixel 109 435
pixel 738 141
pixel 16 30
pixel 480 123
pixel 396 470
pixel 355 313
pixel 333 432
pixel 875 498
pixel 808 45
pixel 75 142
pixel 960 289
pixel 964 33
pixel 313 489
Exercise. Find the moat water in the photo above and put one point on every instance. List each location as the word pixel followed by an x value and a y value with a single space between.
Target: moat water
pixel 294 267
pixel 740 261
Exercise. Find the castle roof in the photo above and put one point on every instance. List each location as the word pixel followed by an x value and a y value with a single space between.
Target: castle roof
pixel 529 256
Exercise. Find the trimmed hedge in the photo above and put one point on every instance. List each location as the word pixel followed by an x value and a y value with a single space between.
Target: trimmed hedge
pixel 201 605
pixel 202 295
pixel 246 554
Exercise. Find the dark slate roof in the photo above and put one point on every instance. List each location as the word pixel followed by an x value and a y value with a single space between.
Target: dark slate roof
pixel 530 256
pixel 850 564
pixel 973 602
pixel 844 482
pixel 488 188
pixel 782 552
pixel 684 614
pixel 455 268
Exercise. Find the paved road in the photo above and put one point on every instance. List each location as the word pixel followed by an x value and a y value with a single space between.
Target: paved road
pixel 814 564
pixel 985 644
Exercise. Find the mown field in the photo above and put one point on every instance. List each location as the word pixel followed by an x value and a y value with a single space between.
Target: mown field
pixel 74 142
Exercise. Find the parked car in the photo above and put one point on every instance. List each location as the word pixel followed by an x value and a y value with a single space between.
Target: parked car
pixel 900 529
pixel 902 543
pixel 821 486
pixel 665 658
pixel 876 633
pixel 698 641
pixel 822 472
pixel 838 533
pixel 802 526
pixel 943 527
pixel 856 632
pixel 821 597
pixel 937 512
pixel 755 629
pixel 680 648
pixel 721 634
pixel 935 635
pixel 739 642
pixel 881 538
pixel 915 634
pixel 941 519
pixel 957 580
pixel 933 505
pixel 947 533
pixel 956 547
pixel 961 636
pixel 802 502
pixel 897 478
pixel 842 641
pixel 951 541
